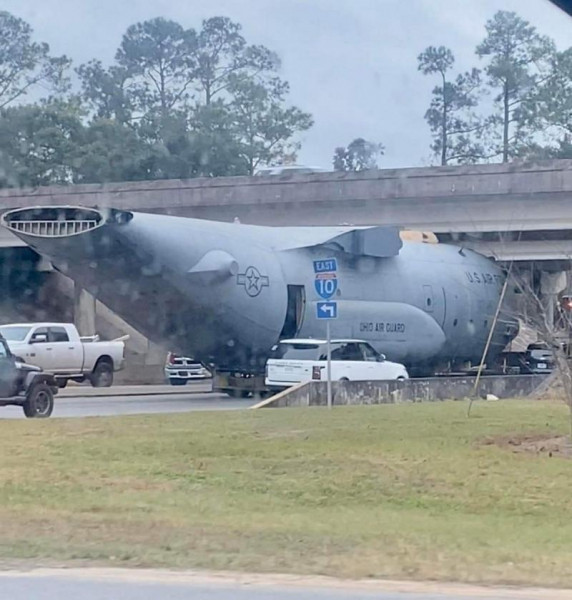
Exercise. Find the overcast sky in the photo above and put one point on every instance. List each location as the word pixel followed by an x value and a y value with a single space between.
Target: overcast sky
pixel 351 63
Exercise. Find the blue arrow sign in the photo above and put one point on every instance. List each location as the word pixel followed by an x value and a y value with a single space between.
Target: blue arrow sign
pixel 327 310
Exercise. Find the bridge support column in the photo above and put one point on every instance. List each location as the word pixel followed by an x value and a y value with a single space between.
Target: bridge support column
pixel 84 311
pixel 551 284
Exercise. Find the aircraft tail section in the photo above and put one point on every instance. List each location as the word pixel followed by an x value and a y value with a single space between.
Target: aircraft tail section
pixel 64 231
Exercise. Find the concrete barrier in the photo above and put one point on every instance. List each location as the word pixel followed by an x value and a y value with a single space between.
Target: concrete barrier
pixel 413 390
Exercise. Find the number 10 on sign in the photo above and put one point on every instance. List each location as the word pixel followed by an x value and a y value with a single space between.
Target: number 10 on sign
pixel 326 285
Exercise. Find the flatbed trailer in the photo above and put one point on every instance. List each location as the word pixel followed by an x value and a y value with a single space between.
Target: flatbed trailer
pixel 239 384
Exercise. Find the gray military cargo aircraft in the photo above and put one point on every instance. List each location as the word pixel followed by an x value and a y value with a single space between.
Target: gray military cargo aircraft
pixel 225 293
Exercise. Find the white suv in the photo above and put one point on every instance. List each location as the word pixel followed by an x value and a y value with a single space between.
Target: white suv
pixel 294 361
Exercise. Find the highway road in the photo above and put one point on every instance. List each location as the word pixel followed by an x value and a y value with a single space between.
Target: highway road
pixel 55 588
pixel 85 404
pixel 51 584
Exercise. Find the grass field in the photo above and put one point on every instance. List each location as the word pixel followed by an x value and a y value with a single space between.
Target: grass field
pixel 390 491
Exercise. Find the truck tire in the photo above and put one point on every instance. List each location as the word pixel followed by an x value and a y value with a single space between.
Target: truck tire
pixel 102 375
pixel 39 402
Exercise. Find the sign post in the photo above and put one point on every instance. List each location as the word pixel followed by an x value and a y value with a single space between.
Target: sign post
pixel 327 311
pixel 329 364
pixel 326 284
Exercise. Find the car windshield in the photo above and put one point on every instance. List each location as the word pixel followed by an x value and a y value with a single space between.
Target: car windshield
pixel 14 333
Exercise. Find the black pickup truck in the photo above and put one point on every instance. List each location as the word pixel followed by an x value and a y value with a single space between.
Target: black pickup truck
pixel 25 385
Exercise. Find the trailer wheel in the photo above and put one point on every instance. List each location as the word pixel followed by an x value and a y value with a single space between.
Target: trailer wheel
pixel 238 393
pixel 39 402
pixel 102 375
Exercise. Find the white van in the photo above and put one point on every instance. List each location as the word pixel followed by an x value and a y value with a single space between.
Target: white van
pixel 294 361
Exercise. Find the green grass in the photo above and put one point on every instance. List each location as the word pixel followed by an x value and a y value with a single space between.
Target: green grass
pixel 404 491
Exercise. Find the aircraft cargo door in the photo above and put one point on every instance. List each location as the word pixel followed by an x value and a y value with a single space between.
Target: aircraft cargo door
pixel 294 312
pixel 434 304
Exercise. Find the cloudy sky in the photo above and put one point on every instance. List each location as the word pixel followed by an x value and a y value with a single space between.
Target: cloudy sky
pixel 351 63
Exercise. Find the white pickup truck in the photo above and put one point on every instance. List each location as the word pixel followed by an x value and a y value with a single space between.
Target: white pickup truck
pixel 58 349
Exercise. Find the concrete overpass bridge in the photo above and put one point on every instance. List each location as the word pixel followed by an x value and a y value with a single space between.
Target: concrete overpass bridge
pixel 485 206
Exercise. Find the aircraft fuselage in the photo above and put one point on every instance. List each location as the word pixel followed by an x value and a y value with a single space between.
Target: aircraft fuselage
pixel 226 293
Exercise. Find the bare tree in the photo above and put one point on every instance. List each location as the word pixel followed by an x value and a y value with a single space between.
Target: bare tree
pixel 552 322
pixel 490 336
pixel 550 319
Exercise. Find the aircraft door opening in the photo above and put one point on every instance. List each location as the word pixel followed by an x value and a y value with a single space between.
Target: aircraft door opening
pixel 294 312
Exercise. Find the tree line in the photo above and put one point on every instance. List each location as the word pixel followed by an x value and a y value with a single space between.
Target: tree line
pixel 180 102
pixel 175 103
pixel 517 105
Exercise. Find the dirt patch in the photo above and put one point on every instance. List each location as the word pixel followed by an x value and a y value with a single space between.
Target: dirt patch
pixel 531 443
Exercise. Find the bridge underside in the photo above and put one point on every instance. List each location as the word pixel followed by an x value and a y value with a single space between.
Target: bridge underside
pixel 550 248
pixel 26 288
pixel 32 291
